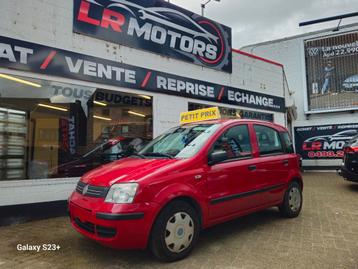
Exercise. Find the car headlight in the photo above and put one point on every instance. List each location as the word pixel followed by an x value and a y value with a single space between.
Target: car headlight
pixel 122 193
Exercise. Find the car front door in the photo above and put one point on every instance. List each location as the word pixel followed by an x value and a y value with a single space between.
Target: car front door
pixel 232 180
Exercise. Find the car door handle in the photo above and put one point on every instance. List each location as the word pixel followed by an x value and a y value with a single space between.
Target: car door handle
pixel 251 167
pixel 285 162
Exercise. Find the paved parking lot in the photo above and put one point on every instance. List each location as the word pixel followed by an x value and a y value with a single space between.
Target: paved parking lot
pixel 324 236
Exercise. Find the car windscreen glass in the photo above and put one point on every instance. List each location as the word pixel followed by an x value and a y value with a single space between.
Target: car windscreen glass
pixel 180 142
pixel 93 151
pixel 103 148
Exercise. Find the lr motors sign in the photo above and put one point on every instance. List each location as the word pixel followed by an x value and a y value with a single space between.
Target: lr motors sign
pixel 325 141
pixel 156 26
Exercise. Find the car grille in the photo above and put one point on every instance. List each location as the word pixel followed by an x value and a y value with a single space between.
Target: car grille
pixel 87 226
pixel 92 191
pixel 101 231
pixel 105 232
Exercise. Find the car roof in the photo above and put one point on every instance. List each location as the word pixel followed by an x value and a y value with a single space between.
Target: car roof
pixel 226 122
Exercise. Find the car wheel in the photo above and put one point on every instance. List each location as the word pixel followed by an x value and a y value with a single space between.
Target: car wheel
pixel 292 203
pixel 175 232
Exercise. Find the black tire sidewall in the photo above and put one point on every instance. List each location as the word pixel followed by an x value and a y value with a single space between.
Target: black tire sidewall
pixel 157 241
pixel 285 207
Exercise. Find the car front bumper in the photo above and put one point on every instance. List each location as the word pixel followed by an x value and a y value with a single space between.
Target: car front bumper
pixel 122 226
pixel 348 175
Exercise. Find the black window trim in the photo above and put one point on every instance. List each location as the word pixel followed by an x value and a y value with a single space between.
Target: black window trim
pixel 286 147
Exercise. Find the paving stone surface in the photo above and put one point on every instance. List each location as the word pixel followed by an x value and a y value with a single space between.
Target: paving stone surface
pixel 325 235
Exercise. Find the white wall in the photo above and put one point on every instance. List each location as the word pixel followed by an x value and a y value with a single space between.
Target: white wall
pixel 290 53
pixel 49 22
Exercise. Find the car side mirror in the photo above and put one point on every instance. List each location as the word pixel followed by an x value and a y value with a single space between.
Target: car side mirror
pixel 217 157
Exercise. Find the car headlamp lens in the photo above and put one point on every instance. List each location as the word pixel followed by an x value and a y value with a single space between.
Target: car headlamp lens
pixel 122 193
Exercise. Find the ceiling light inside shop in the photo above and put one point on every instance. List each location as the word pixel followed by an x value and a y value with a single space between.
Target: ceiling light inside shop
pixel 53 107
pixel 19 80
pixel 146 97
pixel 101 118
pixel 136 114
pixel 99 103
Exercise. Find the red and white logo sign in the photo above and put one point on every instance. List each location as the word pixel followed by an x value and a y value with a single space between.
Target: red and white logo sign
pixel 162 28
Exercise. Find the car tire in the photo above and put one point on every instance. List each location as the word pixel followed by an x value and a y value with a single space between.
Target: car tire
pixel 174 232
pixel 292 202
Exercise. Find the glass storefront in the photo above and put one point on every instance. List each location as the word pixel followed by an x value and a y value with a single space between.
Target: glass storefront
pixel 53 129
pixel 233 113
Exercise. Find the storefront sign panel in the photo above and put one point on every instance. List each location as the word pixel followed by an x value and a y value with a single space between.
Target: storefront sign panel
pixel 323 142
pixel 25 56
pixel 156 26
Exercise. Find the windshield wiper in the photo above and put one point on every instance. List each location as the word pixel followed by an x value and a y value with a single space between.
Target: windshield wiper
pixel 138 155
pixel 159 154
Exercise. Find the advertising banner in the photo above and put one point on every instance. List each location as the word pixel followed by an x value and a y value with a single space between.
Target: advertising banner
pixel 26 56
pixel 156 26
pixel 332 72
pixel 323 142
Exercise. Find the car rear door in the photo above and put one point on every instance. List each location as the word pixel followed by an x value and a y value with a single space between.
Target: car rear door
pixel 273 163
pixel 231 181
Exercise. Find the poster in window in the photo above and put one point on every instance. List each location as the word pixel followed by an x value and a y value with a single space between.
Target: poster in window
pixel 332 72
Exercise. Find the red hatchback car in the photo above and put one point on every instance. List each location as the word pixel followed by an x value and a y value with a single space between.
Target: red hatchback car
pixel 191 177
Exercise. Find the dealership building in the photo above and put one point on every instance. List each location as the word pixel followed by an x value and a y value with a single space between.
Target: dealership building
pixel 83 80
pixel 322 71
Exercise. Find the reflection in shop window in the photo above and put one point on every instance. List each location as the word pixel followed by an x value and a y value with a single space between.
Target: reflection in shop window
pixel 233 113
pixel 52 129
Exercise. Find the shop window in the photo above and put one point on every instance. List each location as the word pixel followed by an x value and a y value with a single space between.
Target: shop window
pixel 52 129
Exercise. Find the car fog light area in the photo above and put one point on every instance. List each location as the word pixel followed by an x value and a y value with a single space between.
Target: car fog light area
pixel 122 193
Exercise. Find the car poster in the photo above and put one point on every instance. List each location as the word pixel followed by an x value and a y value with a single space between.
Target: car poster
pixel 323 142
pixel 332 72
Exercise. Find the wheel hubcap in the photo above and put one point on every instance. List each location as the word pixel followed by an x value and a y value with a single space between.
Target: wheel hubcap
pixel 179 232
pixel 294 199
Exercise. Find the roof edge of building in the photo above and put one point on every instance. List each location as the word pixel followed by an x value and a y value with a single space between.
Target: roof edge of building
pixel 257 57
pixel 298 36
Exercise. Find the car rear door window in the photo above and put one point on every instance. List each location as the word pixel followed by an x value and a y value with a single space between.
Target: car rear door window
pixel 268 140
pixel 235 142
pixel 287 141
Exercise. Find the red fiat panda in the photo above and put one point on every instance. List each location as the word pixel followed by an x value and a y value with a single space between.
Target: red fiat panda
pixel 191 177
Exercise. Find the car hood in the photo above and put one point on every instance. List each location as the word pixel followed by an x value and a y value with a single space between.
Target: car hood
pixel 128 170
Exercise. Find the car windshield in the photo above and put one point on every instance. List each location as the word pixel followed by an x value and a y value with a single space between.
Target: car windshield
pixel 180 142
pixel 109 147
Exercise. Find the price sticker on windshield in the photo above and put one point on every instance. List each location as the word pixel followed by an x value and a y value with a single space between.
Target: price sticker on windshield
pixel 211 113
